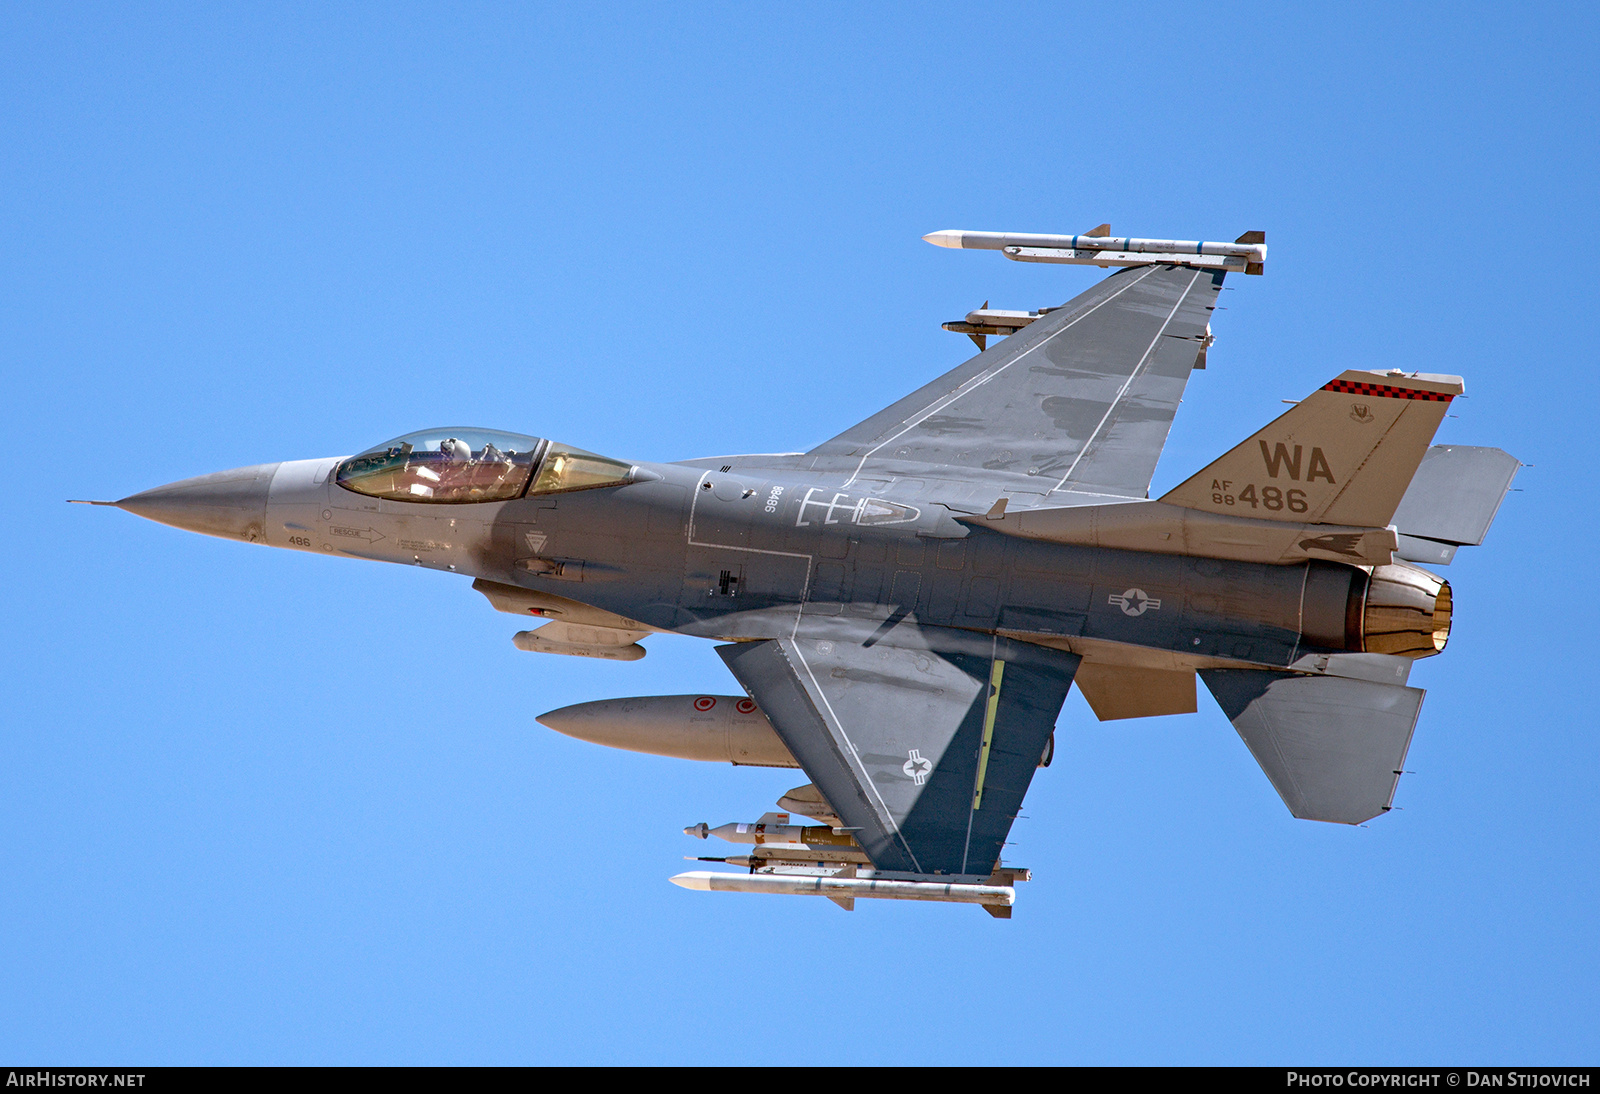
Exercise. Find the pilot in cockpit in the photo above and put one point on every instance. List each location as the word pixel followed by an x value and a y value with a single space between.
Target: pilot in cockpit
pixel 455 464
pixel 493 457
pixel 422 467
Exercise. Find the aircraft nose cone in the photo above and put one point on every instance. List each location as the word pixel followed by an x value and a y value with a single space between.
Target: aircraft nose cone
pixel 230 504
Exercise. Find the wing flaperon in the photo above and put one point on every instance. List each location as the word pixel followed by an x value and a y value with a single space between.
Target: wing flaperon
pixel 924 742
pixel 1080 400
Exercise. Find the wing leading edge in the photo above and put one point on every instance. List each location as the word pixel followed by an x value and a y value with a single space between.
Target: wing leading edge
pixel 1080 400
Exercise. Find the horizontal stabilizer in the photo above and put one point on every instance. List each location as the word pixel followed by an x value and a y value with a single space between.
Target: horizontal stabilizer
pixel 1343 455
pixel 1333 747
pixel 1452 500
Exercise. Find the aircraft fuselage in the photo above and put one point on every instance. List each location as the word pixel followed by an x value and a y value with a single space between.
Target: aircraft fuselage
pixel 721 555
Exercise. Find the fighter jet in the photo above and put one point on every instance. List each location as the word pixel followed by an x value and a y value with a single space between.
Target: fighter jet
pixel 906 605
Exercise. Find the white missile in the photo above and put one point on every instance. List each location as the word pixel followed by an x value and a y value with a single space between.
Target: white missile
pixel 844 888
pixel 724 728
pixel 1248 253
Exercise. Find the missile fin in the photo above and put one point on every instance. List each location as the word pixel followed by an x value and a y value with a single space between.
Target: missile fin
pixel 1252 237
pixel 1105 230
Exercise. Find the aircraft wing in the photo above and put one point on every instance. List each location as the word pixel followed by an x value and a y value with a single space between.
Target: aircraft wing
pixel 923 739
pixel 1079 400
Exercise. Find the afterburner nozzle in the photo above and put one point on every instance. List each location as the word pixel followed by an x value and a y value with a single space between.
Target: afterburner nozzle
pixel 1407 612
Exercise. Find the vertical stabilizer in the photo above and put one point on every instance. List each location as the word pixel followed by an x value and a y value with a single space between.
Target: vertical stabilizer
pixel 1343 455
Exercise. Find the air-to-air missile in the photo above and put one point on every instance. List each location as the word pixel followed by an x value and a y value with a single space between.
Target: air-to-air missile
pixel 818 860
pixel 777 842
pixel 1097 247
pixel 774 828
pixel 842 888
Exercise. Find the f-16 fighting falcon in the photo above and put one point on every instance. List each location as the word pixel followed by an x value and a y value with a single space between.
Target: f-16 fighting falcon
pixel 905 606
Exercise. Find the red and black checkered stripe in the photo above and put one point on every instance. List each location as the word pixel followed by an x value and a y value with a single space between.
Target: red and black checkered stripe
pixel 1384 391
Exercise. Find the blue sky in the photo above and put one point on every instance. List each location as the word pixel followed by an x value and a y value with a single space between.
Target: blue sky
pixel 267 807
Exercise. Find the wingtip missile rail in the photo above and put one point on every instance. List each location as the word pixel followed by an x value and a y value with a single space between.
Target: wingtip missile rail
pixel 1247 254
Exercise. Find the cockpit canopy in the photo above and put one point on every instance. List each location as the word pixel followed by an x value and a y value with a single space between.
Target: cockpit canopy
pixel 471 465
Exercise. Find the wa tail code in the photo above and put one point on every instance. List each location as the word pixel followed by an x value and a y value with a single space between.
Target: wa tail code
pixel 1280 458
